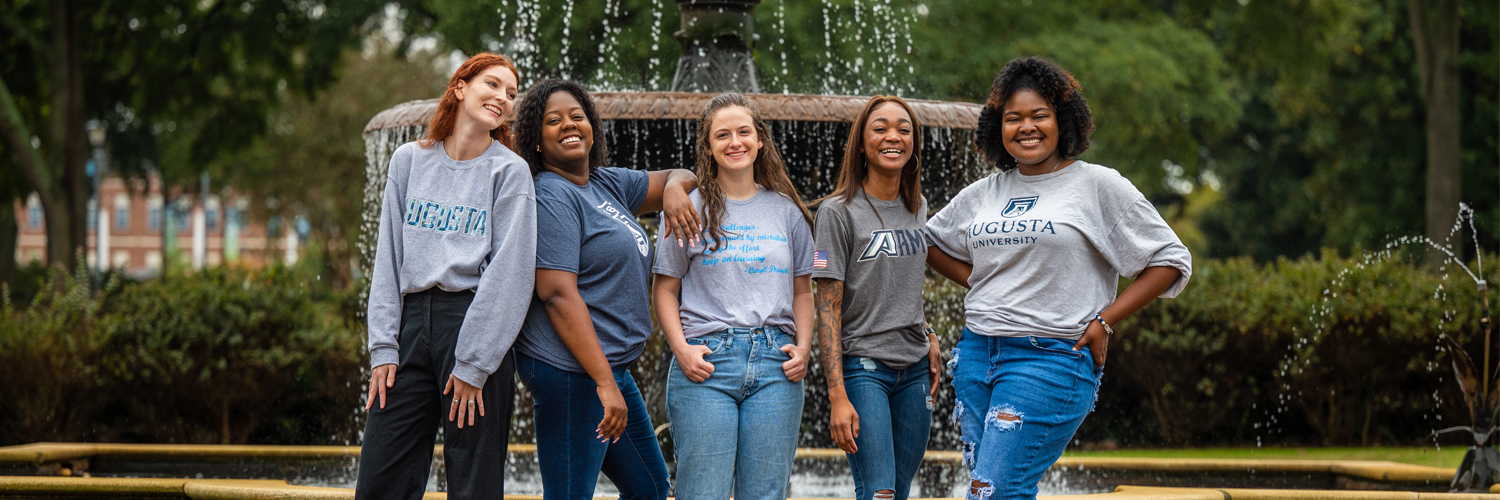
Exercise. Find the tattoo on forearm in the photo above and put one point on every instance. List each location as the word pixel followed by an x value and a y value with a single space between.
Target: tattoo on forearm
pixel 830 301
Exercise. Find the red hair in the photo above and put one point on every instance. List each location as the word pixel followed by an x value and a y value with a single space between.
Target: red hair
pixel 446 116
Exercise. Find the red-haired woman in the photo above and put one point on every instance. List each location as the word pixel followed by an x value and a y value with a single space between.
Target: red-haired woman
pixel 451 284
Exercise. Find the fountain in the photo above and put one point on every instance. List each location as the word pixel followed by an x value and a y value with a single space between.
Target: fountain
pixel 1480 386
pixel 657 129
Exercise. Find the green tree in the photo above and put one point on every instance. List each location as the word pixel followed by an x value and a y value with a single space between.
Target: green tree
pixel 313 160
pixel 176 82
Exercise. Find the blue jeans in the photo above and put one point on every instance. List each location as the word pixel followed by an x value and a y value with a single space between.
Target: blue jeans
pixel 566 413
pixel 894 421
pixel 741 423
pixel 1020 399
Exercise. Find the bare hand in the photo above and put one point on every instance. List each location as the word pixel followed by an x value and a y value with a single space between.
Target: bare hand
pixel 679 216
pixel 381 378
pixel 614 413
pixel 692 363
pixel 844 423
pixel 1097 340
pixel 795 368
pixel 465 399
pixel 934 362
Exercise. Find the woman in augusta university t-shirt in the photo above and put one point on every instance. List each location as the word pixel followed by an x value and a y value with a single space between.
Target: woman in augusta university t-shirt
pixel 734 390
pixel 880 362
pixel 589 318
pixel 1042 244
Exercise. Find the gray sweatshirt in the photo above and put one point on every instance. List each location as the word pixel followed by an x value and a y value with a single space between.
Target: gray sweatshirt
pixel 456 225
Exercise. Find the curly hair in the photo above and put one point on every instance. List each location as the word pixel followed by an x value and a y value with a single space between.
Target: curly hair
pixel 769 169
pixel 528 123
pixel 1038 74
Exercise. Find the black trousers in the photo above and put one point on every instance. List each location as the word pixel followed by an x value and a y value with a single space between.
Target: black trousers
pixel 394 462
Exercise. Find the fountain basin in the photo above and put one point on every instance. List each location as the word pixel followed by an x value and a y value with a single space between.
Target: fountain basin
pixel 157 468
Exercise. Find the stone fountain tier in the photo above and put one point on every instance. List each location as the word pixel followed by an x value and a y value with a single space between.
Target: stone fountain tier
pixel 688 106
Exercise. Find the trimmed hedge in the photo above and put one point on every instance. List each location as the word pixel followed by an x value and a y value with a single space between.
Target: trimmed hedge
pixel 218 356
pixel 1331 351
pixel 1328 350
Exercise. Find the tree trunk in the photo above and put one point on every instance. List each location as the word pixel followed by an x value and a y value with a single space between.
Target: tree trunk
pixel 9 236
pixel 1435 26
pixel 66 231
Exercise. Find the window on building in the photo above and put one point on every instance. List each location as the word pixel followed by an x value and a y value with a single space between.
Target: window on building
pixel 153 213
pixel 180 212
pixel 93 215
pixel 122 213
pixel 211 214
pixel 34 212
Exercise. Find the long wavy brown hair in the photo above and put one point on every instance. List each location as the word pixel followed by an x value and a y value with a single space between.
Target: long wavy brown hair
pixel 446 116
pixel 769 170
pixel 857 168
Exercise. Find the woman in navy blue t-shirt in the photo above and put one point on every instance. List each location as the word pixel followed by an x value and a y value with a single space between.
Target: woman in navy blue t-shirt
pixel 590 317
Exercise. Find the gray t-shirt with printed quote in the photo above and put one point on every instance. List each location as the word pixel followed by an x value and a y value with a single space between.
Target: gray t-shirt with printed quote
pixel 877 249
pixel 1048 250
pixel 747 281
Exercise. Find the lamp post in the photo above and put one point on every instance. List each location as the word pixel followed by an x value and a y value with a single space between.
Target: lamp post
pixel 101 216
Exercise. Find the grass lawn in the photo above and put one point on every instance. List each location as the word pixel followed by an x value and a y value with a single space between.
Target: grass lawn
pixel 1449 456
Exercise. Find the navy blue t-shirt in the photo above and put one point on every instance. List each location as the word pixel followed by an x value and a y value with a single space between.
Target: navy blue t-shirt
pixel 591 230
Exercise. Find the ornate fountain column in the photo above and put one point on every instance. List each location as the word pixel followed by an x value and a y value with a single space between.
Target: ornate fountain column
pixel 717 37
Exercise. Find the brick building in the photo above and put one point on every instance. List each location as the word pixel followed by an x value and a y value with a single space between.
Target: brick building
pixel 207 232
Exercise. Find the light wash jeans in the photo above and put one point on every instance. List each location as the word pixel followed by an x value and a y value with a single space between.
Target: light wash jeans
pixel 741 423
pixel 1020 399
pixel 894 422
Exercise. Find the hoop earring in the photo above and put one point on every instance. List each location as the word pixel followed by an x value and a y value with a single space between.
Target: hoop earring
pixel 913 170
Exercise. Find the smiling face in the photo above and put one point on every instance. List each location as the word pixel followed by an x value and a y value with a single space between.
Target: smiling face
pixel 732 138
pixel 488 96
pixel 567 135
pixel 888 138
pixel 1029 129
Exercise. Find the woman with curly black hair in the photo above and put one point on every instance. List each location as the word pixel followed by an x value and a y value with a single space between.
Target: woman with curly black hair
pixel 589 319
pixel 1042 245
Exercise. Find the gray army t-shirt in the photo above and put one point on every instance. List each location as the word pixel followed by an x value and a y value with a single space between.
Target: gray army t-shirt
pixel 747 281
pixel 877 249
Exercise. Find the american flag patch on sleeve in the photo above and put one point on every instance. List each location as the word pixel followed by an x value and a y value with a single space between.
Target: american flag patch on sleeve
pixel 820 259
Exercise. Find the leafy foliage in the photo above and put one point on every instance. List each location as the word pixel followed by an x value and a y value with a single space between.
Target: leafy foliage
pixel 221 356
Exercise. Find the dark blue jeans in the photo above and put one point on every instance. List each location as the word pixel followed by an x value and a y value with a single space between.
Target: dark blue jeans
pixel 894 422
pixel 1020 399
pixel 566 413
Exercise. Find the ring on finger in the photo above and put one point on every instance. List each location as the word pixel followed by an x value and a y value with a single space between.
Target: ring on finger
pixel 471 402
pixel 455 401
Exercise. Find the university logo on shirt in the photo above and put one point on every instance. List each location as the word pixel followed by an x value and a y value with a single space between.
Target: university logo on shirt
pixel 1018 206
pixel 893 243
pixel 446 217
pixel 629 223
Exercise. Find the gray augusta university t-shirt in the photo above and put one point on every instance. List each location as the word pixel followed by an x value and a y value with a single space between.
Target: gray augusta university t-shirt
pixel 747 281
pixel 1048 250
pixel 591 230
pixel 877 249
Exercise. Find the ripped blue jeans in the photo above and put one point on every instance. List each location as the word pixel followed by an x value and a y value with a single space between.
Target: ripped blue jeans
pixel 1020 399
